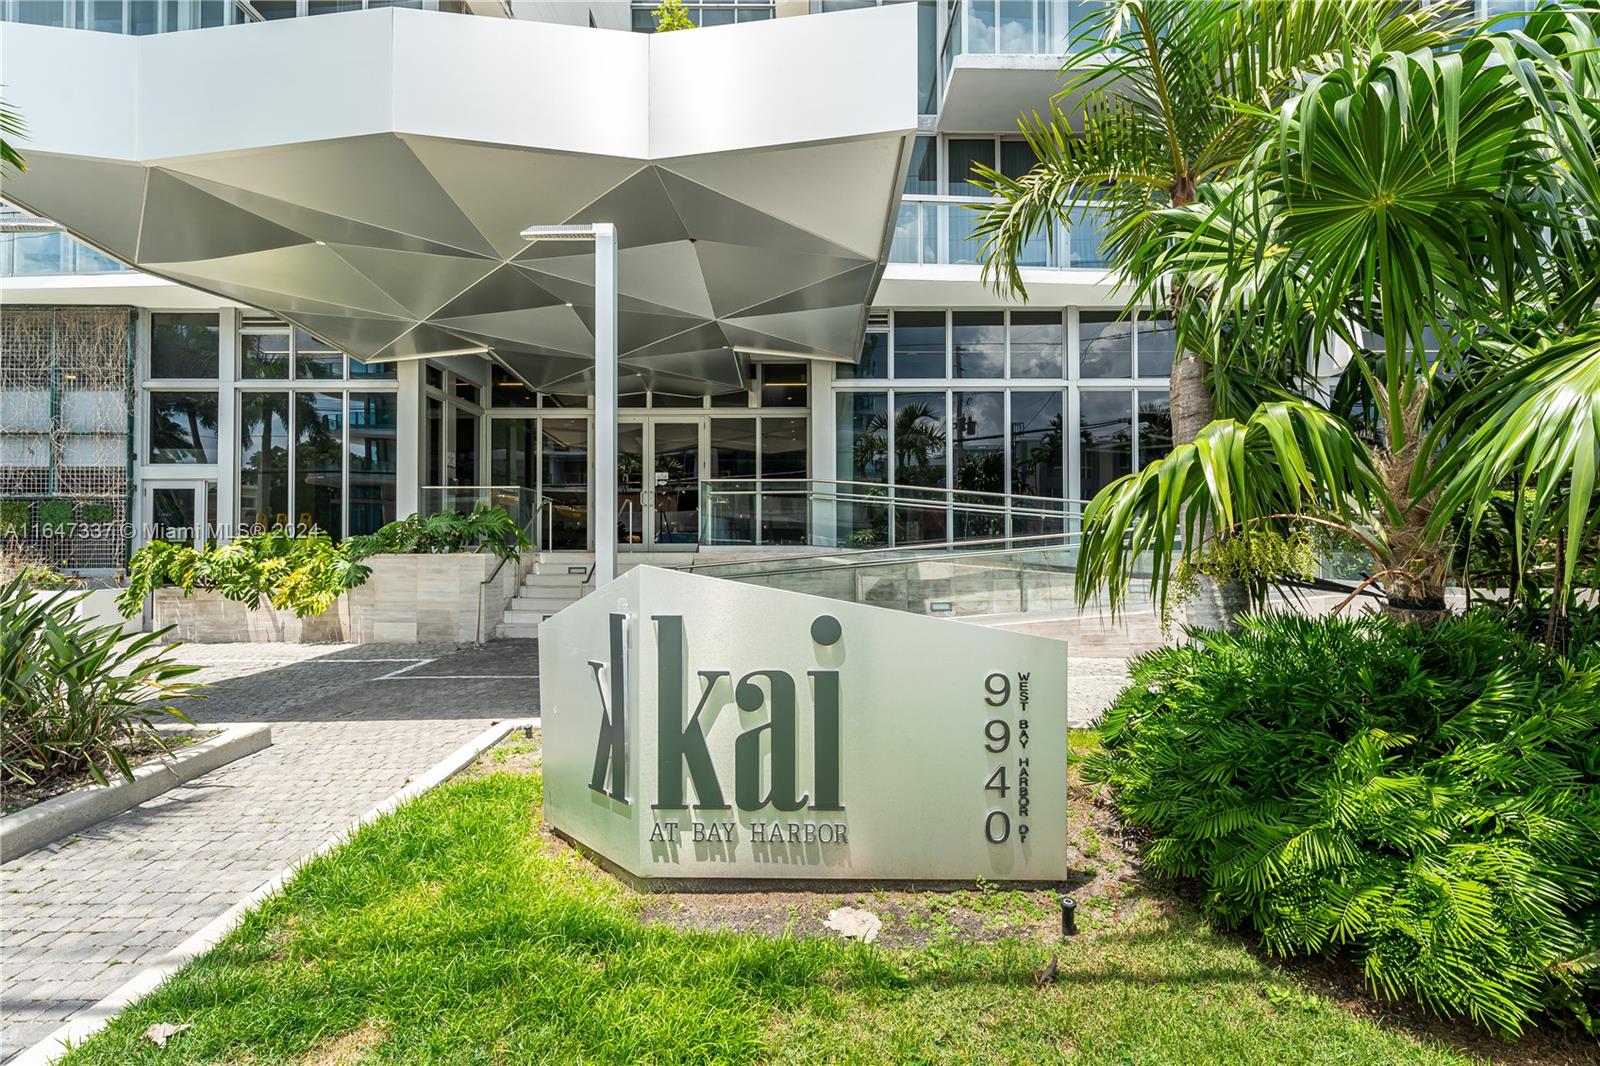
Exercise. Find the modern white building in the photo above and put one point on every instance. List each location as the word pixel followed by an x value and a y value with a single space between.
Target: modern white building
pixel 266 269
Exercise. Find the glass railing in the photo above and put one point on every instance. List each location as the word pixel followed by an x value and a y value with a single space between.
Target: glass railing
pixel 520 503
pixel 955 580
pixel 865 515
pixel 1013 27
pixel 939 230
pixel 41 253
pixel 142 17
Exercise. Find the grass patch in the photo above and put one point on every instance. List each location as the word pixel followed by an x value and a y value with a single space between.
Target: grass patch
pixel 452 931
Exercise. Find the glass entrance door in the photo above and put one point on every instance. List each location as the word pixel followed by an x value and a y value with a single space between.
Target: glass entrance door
pixel 676 486
pixel 182 512
pixel 631 525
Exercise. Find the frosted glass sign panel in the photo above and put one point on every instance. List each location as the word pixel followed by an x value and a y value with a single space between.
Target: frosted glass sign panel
pixel 696 728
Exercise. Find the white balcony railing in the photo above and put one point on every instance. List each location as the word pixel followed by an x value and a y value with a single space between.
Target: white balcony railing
pixel 938 230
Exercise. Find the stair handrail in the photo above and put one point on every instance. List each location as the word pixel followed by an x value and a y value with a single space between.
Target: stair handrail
pixel 529 529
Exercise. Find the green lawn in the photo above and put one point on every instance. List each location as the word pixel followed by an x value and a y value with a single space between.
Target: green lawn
pixel 450 932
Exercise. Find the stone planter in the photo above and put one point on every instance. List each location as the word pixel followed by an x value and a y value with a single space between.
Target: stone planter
pixel 99 606
pixel 408 599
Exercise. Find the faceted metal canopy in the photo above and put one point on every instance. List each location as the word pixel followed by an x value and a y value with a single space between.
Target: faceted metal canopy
pixel 393 244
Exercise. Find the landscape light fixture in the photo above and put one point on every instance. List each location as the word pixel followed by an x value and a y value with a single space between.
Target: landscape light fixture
pixel 604 236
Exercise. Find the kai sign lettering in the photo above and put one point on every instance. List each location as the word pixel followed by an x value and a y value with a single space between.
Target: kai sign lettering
pixel 699 728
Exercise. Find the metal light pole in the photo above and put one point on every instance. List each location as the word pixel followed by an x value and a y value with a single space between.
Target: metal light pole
pixel 604 236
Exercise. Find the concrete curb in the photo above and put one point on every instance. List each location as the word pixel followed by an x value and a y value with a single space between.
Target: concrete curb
pixel 74 811
pixel 92 1019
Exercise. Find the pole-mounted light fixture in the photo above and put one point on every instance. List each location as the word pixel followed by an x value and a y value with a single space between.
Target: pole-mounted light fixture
pixel 604 236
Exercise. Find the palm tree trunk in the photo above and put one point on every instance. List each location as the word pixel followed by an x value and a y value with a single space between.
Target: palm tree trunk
pixel 1214 604
pixel 1414 588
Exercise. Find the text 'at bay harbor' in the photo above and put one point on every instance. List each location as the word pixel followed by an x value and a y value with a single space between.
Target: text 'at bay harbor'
pixel 699 728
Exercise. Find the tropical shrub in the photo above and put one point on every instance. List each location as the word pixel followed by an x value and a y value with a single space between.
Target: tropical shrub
pixel 307 573
pixel 1424 798
pixel 36 574
pixel 303 574
pixel 672 15
pixel 74 695
pixel 487 526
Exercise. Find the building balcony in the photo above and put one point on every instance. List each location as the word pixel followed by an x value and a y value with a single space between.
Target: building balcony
pixel 45 250
pixel 938 231
pixel 1003 58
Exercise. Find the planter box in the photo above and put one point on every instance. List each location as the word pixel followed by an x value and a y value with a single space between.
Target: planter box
pixel 99 606
pixel 409 599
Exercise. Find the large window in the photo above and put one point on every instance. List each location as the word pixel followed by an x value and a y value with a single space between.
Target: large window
pixel 372 446
pixel 978 344
pixel 183 427
pixel 1013 415
pixel 183 346
pixel 264 460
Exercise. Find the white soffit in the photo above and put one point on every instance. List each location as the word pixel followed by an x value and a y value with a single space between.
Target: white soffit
pixel 367 175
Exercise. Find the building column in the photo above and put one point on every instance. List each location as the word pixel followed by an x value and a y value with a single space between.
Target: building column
pixel 226 520
pixel 824 516
pixel 605 403
pixel 411 435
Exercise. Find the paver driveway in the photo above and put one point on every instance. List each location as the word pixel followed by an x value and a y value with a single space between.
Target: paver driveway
pixel 350 725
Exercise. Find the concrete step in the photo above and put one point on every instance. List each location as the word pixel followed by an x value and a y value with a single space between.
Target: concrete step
pixel 516 631
pixel 526 602
pixel 525 616
pixel 552 581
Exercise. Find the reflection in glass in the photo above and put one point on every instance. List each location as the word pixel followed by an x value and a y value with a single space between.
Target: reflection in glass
pixel 183 427
pixel 564 456
pixel 923 177
pixel 919 460
pixel 1157 345
pixel 978 344
pixel 372 460
pixel 1105 345
pixel 183 346
pixel 315 359
pixel 264 459
pixel 874 362
pixel 1038 456
pixel 319 462
pixel 919 344
pixel 464 471
pixel 978 459
pixel 1105 428
pixel 783 457
pixel 630 483
pixel 862 454
pixel 677 482
pixel 1155 425
pixel 172 515
pixel 435 442
pixel 1038 341
pixel 733 455
pixel 511 452
pixel 264 356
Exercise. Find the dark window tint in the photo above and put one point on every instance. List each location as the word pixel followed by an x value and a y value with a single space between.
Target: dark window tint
pixel 183 346
pixel 183 427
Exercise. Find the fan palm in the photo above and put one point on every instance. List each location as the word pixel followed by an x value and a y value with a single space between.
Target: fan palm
pixel 1142 122
pixel 1396 202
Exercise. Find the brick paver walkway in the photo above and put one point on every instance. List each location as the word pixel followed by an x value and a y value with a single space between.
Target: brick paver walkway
pixel 350 725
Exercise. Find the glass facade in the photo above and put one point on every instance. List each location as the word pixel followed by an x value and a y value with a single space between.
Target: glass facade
pixel 183 427
pixel 1047 422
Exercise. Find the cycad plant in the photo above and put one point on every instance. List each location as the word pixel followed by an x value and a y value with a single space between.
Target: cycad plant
pixel 1409 257
pixel 1423 799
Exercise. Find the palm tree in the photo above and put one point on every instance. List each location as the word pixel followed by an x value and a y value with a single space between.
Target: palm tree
pixel 1154 81
pixel 1433 215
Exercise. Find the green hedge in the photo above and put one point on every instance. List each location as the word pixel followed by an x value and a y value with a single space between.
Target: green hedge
pixel 56 516
pixel 13 517
pixel 1427 800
